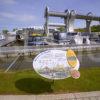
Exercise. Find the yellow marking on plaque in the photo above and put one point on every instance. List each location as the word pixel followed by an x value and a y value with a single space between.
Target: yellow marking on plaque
pixel 71 58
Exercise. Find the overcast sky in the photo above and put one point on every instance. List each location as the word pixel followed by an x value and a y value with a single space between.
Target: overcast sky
pixel 26 13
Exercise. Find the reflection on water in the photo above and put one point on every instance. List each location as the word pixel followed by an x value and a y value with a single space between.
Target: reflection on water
pixel 89 59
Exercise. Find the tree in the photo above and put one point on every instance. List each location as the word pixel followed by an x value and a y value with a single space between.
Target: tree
pixel 5 31
pixel 14 29
pixel 94 28
pixel 61 29
pixel 80 30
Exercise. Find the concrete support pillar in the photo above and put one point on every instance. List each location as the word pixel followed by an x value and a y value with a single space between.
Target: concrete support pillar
pixel 88 23
pixel 71 21
pixel 88 27
pixel 46 21
pixel 66 20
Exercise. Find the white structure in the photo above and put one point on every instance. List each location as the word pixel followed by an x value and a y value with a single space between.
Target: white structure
pixel 81 39
pixel 12 33
pixel 2 37
pixel 78 39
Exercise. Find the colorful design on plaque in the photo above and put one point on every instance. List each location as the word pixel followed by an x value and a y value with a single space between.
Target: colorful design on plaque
pixel 71 58
pixel 75 74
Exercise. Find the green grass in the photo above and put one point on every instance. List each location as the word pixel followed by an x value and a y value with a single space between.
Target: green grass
pixel 28 82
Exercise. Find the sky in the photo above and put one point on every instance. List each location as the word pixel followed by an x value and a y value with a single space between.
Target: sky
pixel 28 13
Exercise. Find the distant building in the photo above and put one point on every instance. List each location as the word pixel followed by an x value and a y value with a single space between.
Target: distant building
pixel 11 33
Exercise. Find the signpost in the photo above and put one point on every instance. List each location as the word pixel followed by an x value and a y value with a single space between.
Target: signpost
pixel 57 64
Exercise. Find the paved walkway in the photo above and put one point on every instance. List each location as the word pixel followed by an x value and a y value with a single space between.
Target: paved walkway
pixel 71 96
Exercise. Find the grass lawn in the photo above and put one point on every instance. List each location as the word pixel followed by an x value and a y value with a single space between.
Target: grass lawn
pixel 28 82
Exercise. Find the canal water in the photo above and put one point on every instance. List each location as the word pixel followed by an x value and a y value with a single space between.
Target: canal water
pixel 87 60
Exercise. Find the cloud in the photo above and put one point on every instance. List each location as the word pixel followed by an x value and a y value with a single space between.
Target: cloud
pixel 7 15
pixel 17 17
pixel 8 1
pixel 25 17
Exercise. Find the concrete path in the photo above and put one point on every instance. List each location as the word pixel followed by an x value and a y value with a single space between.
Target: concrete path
pixel 71 96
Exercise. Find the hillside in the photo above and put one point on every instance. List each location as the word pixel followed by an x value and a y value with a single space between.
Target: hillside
pixel 94 28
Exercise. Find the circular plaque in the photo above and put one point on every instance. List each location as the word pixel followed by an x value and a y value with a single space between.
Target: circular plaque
pixel 53 64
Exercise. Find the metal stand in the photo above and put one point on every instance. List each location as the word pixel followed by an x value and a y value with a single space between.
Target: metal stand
pixel 12 63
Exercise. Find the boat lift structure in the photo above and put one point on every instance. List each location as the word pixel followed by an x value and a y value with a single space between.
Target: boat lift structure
pixel 69 18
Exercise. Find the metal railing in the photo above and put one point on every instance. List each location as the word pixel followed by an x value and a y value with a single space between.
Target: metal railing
pixel 36 49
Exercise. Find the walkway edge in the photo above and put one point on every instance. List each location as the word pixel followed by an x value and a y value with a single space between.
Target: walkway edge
pixel 95 95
